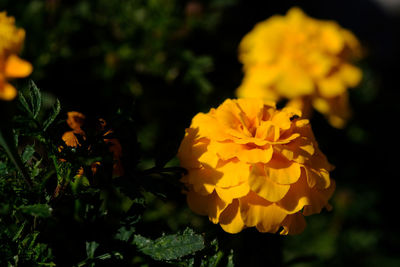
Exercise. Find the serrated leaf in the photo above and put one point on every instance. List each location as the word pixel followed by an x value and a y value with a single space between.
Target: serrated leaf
pixel 54 113
pixel 37 210
pixel 35 98
pixel 24 104
pixel 170 247
pixel 124 233
pixel 28 153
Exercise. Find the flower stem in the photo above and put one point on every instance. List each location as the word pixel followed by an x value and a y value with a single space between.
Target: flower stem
pixel 7 142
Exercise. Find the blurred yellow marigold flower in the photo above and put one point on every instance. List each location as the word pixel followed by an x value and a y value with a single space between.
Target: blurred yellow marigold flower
pixel 11 66
pixel 302 59
pixel 250 164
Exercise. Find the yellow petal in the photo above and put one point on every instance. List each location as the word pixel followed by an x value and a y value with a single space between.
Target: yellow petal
pixel 294 82
pixel 8 92
pixel 331 37
pixel 234 173
pixel 300 150
pixel 293 224
pixel 350 74
pixel 230 219
pixel 300 196
pixel 208 126
pixel 331 86
pixel 17 68
pixel 203 179
pixel 234 192
pixel 281 170
pixel 256 211
pixel 264 186
pixel 244 153
pixel 190 149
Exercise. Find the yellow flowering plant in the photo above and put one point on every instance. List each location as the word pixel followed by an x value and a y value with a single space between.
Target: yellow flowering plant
pixel 250 164
pixel 11 66
pixel 304 60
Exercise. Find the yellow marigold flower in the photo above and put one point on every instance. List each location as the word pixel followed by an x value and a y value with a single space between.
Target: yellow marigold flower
pixel 250 164
pixel 11 66
pixel 303 59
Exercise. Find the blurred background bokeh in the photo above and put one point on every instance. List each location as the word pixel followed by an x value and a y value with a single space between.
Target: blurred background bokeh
pixel 166 60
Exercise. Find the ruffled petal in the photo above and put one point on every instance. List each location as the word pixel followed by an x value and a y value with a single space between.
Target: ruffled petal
pixel 190 150
pixel 234 173
pixel 281 170
pixel 210 205
pixel 227 194
pixel 256 211
pixel 293 224
pixel 264 186
pixel 231 219
pixel 203 179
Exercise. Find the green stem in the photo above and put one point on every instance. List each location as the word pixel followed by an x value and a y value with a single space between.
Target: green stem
pixel 7 142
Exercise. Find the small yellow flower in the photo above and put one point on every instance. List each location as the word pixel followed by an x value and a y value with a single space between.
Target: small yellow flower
pixel 250 164
pixel 299 58
pixel 11 66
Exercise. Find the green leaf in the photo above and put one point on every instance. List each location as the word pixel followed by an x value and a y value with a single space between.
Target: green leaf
pixel 54 113
pixel 124 233
pixel 91 248
pixel 37 210
pixel 28 153
pixel 170 247
pixel 36 99
pixel 24 104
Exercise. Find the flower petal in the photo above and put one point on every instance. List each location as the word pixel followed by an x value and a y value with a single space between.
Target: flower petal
pixel 231 219
pixel 234 173
pixel 229 193
pixel 293 224
pixel 203 179
pixel 256 211
pixel 190 149
pixel 210 205
pixel 264 186
pixel 281 170
pixel 8 92
pixel 17 68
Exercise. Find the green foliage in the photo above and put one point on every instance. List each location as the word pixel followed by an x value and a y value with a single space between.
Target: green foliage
pixel 170 247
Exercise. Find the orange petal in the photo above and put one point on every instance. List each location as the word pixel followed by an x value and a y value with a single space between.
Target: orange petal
pixel 210 205
pixel 293 224
pixel 8 92
pixel 17 68
pixel 70 139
